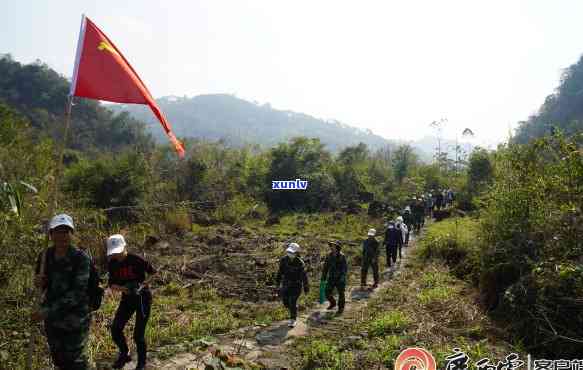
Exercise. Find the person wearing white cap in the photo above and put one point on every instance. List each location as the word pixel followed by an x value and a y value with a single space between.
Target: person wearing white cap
pixel 292 277
pixel 408 221
pixel 65 310
pixel 127 274
pixel 404 233
pixel 370 259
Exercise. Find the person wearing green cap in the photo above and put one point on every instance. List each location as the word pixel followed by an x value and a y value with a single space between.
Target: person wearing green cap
pixel 335 273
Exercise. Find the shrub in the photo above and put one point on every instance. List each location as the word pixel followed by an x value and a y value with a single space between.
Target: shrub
pixel 321 354
pixel 178 222
pixel 108 181
pixel 390 323
pixel 533 223
pixel 455 241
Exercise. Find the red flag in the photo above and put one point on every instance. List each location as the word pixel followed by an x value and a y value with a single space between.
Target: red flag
pixel 101 72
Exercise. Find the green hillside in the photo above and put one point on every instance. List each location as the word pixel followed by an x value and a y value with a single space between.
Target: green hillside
pixel 239 122
pixel 40 94
pixel 562 109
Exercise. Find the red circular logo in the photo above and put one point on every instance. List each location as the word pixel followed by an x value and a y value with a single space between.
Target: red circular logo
pixel 415 359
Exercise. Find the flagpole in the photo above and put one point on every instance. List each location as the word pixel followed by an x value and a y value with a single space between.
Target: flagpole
pixel 37 297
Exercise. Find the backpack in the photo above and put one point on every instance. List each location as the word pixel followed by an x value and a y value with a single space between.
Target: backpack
pixel 94 291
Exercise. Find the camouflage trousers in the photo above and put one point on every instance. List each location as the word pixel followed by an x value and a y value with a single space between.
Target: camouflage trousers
pixel 68 347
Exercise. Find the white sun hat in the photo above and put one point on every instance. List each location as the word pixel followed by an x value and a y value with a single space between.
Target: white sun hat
pixel 372 232
pixel 115 244
pixel 61 220
pixel 293 248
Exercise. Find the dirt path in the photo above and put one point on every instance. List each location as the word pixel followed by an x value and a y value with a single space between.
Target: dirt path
pixel 268 346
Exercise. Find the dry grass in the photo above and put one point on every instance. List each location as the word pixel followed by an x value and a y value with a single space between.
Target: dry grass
pixel 423 306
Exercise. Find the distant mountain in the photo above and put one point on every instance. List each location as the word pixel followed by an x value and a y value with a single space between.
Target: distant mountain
pixel 238 122
pixel 426 148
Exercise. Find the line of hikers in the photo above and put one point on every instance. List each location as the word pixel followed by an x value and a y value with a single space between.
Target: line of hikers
pixel 70 283
pixel 421 206
pixel 71 286
pixel 292 277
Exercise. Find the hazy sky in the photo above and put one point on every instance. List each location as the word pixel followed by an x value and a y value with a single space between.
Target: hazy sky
pixel 391 66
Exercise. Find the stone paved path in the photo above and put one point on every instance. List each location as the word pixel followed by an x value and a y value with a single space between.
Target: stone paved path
pixel 268 346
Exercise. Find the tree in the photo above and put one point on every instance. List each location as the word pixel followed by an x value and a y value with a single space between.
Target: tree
pixel 403 158
pixel 39 94
pixel 480 171
pixel 109 181
pixel 439 156
pixel 303 159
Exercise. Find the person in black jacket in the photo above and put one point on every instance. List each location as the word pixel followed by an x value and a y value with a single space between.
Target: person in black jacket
pixel 370 259
pixel 393 241
pixel 292 276
pixel 335 272
pixel 127 274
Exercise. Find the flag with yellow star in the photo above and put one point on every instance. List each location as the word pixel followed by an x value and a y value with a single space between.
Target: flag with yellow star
pixel 102 72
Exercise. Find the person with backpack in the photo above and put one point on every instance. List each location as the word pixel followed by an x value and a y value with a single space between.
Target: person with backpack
pixel 429 203
pixel 393 241
pixel 335 272
pixel 63 272
pixel 127 274
pixel 292 277
pixel 370 259
pixel 408 221
pixel 400 224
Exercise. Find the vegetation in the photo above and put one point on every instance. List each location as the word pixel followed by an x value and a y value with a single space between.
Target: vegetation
pixel 561 110
pixel 425 306
pixel 523 252
pixel 239 123
pixel 40 94
pixel 216 228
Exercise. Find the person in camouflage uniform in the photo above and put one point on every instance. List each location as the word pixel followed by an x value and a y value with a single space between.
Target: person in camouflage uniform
pixel 65 308
pixel 370 259
pixel 335 272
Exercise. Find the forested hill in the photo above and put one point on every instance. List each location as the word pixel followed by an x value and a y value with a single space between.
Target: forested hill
pixel 39 93
pixel 215 117
pixel 562 109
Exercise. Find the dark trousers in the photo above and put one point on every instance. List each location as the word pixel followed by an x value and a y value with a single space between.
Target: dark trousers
pixel 340 287
pixel 369 262
pixel 140 304
pixel 290 296
pixel 391 254
pixel 419 220
pixel 68 347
